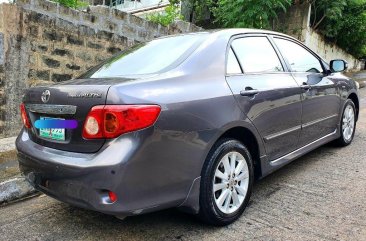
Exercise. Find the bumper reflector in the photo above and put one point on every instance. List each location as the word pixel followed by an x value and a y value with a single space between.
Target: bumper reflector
pixel 112 196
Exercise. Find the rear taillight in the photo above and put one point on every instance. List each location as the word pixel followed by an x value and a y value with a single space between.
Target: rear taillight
pixel 25 118
pixel 110 121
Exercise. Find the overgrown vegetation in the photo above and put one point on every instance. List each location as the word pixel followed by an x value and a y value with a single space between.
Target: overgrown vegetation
pixel 237 13
pixel 248 13
pixel 342 22
pixel 72 3
pixel 170 14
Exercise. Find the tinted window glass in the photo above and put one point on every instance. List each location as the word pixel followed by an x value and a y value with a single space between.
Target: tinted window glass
pixel 298 57
pixel 256 54
pixel 233 66
pixel 147 58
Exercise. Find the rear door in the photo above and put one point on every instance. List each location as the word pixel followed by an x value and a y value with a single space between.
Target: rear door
pixel 266 92
pixel 321 99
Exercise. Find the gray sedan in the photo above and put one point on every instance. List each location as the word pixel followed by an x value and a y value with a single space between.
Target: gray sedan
pixel 188 121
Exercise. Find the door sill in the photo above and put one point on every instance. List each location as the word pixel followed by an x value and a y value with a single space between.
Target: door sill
pixel 303 150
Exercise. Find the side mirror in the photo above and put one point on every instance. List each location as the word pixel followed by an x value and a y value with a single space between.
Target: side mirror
pixel 338 65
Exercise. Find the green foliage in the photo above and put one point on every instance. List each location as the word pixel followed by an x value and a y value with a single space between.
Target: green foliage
pixel 200 9
pixel 170 14
pixel 342 22
pixel 247 13
pixel 325 11
pixel 72 3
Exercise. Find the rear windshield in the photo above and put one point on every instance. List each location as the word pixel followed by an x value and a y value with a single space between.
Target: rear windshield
pixel 147 58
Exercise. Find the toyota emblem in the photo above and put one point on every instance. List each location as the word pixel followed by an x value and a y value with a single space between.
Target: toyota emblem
pixel 46 96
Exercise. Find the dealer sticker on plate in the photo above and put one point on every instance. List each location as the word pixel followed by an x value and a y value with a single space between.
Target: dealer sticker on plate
pixel 54 134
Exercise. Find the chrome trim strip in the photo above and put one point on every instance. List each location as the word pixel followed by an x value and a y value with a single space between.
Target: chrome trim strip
pixel 51 109
pixel 319 120
pixel 287 156
pixel 281 133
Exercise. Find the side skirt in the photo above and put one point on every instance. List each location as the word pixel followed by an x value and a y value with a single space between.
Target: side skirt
pixel 274 165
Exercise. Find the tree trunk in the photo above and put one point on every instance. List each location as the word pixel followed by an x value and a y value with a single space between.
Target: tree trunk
pixel 319 22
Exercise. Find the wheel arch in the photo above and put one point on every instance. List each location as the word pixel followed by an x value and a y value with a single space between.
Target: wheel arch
pixel 354 98
pixel 241 131
pixel 250 140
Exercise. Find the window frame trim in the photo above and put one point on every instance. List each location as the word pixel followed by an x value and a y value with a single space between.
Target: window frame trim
pixel 320 60
pixel 237 60
pixel 284 65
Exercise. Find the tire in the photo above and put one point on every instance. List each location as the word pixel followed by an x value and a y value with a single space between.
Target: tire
pixel 224 152
pixel 346 138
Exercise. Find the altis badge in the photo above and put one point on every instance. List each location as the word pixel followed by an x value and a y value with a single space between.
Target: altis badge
pixel 85 95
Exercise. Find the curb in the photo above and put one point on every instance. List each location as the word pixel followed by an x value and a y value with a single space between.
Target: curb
pixel 362 83
pixel 7 144
pixel 14 189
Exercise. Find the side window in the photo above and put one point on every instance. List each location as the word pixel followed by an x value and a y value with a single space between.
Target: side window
pixel 300 59
pixel 233 66
pixel 256 54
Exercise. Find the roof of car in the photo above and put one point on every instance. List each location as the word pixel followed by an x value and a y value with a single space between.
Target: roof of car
pixel 235 31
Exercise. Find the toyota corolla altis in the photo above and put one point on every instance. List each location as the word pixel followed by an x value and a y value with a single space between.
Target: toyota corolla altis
pixel 188 121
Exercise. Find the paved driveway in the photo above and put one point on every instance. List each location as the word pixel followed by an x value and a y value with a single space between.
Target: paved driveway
pixel 321 196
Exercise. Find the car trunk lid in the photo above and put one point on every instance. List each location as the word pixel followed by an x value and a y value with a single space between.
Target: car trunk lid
pixel 70 102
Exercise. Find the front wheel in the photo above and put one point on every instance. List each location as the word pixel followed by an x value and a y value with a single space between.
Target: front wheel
pixel 348 124
pixel 226 182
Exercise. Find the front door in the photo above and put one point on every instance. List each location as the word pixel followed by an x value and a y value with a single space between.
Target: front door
pixel 321 100
pixel 268 94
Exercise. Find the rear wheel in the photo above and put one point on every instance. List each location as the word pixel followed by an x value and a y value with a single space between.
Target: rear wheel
pixel 348 124
pixel 226 183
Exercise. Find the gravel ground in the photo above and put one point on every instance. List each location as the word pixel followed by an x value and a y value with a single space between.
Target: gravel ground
pixel 321 196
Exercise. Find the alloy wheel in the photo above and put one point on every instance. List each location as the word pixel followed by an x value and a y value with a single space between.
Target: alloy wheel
pixel 230 183
pixel 348 123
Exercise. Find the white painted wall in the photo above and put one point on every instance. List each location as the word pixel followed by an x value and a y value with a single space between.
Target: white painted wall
pixel 328 51
pixel 129 5
pixel 297 24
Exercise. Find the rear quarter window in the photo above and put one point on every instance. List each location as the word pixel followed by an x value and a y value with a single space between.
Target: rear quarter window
pixel 233 66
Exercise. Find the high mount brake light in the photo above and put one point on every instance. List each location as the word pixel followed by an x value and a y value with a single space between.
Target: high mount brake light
pixel 24 116
pixel 110 121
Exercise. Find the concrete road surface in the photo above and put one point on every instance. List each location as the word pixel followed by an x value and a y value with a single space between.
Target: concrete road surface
pixel 321 196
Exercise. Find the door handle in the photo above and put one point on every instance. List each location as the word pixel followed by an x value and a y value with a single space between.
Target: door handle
pixel 305 87
pixel 249 92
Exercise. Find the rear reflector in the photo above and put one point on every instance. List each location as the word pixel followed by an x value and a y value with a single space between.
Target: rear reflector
pixel 112 196
pixel 110 121
pixel 25 119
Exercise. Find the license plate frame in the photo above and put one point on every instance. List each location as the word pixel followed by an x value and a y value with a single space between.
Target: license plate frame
pixel 52 133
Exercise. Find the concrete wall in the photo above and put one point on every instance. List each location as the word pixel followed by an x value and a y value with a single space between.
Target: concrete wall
pixel 43 43
pixel 330 51
pixel 296 22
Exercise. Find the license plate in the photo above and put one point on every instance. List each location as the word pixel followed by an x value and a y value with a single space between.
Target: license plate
pixel 54 134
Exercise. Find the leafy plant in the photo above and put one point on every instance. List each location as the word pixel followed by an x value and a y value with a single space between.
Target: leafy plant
pixel 170 14
pixel 236 13
pixel 72 3
pixel 342 22
pixel 199 10
pixel 247 13
pixel 326 10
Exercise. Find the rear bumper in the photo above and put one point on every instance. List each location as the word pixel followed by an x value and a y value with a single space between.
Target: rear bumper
pixel 84 179
pixel 70 184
